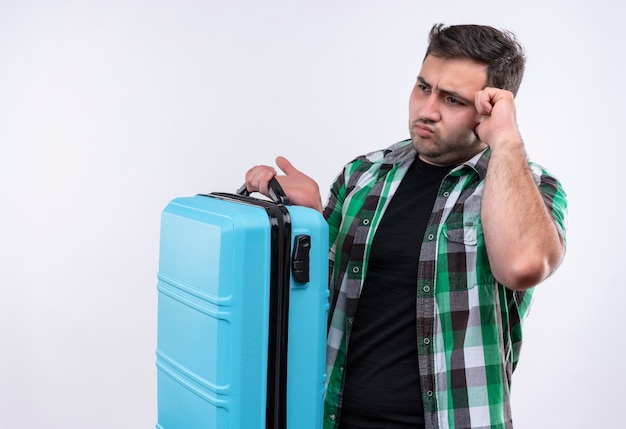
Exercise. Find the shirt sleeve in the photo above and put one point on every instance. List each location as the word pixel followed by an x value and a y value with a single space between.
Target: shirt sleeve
pixel 554 197
pixel 333 210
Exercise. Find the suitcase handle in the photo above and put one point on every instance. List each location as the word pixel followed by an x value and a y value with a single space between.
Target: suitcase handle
pixel 276 192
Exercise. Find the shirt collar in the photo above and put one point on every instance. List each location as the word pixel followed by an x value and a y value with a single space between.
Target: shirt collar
pixel 404 151
pixel 478 163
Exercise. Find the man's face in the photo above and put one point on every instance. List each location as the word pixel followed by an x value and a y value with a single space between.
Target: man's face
pixel 442 111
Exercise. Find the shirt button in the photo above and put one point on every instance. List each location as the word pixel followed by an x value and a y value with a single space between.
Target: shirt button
pixel 429 393
pixel 332 417
pixel 366 221
pixel 355 270
pixel 341 369
pixel 426 289
pixel 446 194
pixel 431 236
pixel 426 341
pixel 350 320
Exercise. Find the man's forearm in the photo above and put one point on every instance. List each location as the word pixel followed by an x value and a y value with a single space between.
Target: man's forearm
pixel 522 240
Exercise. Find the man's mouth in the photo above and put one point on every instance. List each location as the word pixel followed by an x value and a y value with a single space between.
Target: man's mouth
pixel 423 131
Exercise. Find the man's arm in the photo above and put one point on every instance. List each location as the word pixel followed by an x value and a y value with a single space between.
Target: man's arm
pixel 523 243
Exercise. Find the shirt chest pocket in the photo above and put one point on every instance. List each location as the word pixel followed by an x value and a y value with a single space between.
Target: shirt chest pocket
pixel 463 229
pixel 463 225
pixel 466 232
pixel 462 247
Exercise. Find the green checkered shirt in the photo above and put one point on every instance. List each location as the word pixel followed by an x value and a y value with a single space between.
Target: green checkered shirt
pixel 469 327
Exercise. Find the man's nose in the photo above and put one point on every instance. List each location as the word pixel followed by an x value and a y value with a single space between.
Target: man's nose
pixel 429 110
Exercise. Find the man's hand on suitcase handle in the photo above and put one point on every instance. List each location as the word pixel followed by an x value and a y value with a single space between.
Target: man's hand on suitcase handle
pixel 301 189
pixel 275 192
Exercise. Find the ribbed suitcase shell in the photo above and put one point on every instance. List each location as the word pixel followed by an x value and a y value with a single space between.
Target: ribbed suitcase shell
pixel 214 333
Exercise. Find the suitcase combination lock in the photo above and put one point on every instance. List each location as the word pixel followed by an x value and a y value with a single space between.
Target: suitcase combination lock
pixel 300 258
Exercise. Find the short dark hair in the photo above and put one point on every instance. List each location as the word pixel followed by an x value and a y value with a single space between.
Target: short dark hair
pixel 499 50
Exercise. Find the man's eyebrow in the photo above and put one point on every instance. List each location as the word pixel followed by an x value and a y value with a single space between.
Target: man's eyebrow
pixel 449 92
pixel 421 80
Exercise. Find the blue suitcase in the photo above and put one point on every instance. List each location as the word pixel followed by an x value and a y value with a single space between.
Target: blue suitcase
pixel 242 313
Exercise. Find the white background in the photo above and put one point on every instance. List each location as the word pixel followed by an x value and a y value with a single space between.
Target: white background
pixel 109 109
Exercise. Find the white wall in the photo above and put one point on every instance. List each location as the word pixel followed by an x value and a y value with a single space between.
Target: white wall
pixel 110 109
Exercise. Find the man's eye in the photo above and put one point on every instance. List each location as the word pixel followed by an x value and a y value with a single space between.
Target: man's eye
pixel 453 100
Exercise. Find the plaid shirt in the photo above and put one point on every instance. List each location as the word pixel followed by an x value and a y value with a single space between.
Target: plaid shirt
pixel 469 327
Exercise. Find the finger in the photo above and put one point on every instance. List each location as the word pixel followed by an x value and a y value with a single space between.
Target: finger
pixel 258 177
pixel 264 179
pixel 479 120
pixel 250 180
pixel 483 103
pixel 286 166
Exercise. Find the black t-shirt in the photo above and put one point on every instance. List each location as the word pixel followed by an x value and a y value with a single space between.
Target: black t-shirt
pixel 382 387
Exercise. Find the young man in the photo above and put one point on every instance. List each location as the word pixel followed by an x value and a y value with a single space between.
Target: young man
pixel 436 243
